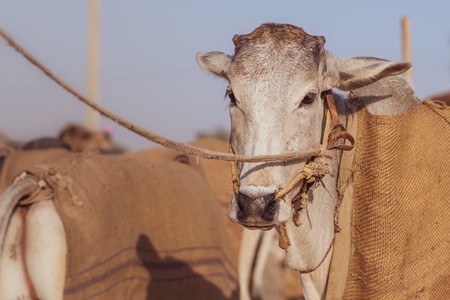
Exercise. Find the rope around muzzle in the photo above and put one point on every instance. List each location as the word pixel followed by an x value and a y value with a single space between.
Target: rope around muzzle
pixel 320 165
pixel 311 173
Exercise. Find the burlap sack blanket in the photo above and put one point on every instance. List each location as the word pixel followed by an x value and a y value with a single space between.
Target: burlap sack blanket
pixel 400 226
pixel 217 173
pixel 139 230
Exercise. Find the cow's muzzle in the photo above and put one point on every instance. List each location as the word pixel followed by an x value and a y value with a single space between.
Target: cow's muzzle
pixel 256 213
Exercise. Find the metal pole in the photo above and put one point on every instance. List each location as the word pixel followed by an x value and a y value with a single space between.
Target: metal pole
pixel 93 63
pixel 407 47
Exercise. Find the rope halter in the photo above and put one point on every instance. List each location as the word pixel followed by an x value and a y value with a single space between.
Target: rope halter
pixel 312 173
pixel 318 166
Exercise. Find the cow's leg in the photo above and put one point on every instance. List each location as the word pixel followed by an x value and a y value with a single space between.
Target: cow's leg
pixel 261 260
pixel 249 244
pixel 13 280
pixel 268 250
pixel 45 250
pixel 314 283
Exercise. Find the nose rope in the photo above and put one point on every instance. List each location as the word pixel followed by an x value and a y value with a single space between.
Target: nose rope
pixel 319 166
pixel 306 173
pixel 234 174
pixel 308 181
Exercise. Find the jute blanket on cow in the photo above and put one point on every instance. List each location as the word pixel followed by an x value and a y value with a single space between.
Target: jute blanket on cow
pixel 217 173
pixel 139 230
pixel 400 228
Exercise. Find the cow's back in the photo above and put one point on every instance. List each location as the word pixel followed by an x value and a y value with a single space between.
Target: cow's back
pixel 216 172
pixel 139 230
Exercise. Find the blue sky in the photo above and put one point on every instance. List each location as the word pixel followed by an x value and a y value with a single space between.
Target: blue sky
pixel 148 70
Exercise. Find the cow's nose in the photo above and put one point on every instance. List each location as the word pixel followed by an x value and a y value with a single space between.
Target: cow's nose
pixel 259 208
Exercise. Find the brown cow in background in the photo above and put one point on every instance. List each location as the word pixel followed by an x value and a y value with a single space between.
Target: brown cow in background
pixel 72 137
pixel 80 138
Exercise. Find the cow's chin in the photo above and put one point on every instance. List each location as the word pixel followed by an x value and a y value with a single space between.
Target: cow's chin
pixel 257 227
pixel 282 215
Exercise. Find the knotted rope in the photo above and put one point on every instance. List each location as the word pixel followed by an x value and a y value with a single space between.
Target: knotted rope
pixel 311 172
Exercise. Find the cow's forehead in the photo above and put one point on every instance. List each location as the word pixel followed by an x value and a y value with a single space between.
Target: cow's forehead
pixel 281 33
pixel 275 48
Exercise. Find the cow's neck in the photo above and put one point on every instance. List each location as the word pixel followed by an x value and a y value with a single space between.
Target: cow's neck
pixel 310 242
pixel 310 251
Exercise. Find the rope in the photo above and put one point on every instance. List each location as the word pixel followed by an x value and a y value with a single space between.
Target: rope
pixel 234 174
pixel 306 173
pixel 327 129
pixel 176 146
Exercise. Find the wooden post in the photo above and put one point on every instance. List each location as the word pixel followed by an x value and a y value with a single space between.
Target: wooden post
pixel 93 63
pixel 407 47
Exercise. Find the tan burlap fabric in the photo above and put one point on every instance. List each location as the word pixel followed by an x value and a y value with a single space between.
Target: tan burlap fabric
pixel 19 160
pixel 400 227
pixel 140 230
pixel 217 173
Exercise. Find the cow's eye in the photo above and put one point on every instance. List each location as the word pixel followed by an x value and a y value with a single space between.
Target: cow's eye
pixel 309 99
pixel 232 98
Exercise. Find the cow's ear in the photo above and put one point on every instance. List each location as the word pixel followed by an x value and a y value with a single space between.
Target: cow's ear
pixel 217 63
pixel 357 72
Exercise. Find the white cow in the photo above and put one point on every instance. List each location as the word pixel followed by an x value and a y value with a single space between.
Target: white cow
pixel 277 79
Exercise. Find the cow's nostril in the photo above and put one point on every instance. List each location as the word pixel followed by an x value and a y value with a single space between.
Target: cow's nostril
pixel 239 203
pixel 270 211
pixel 240 215
pixel 257 208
